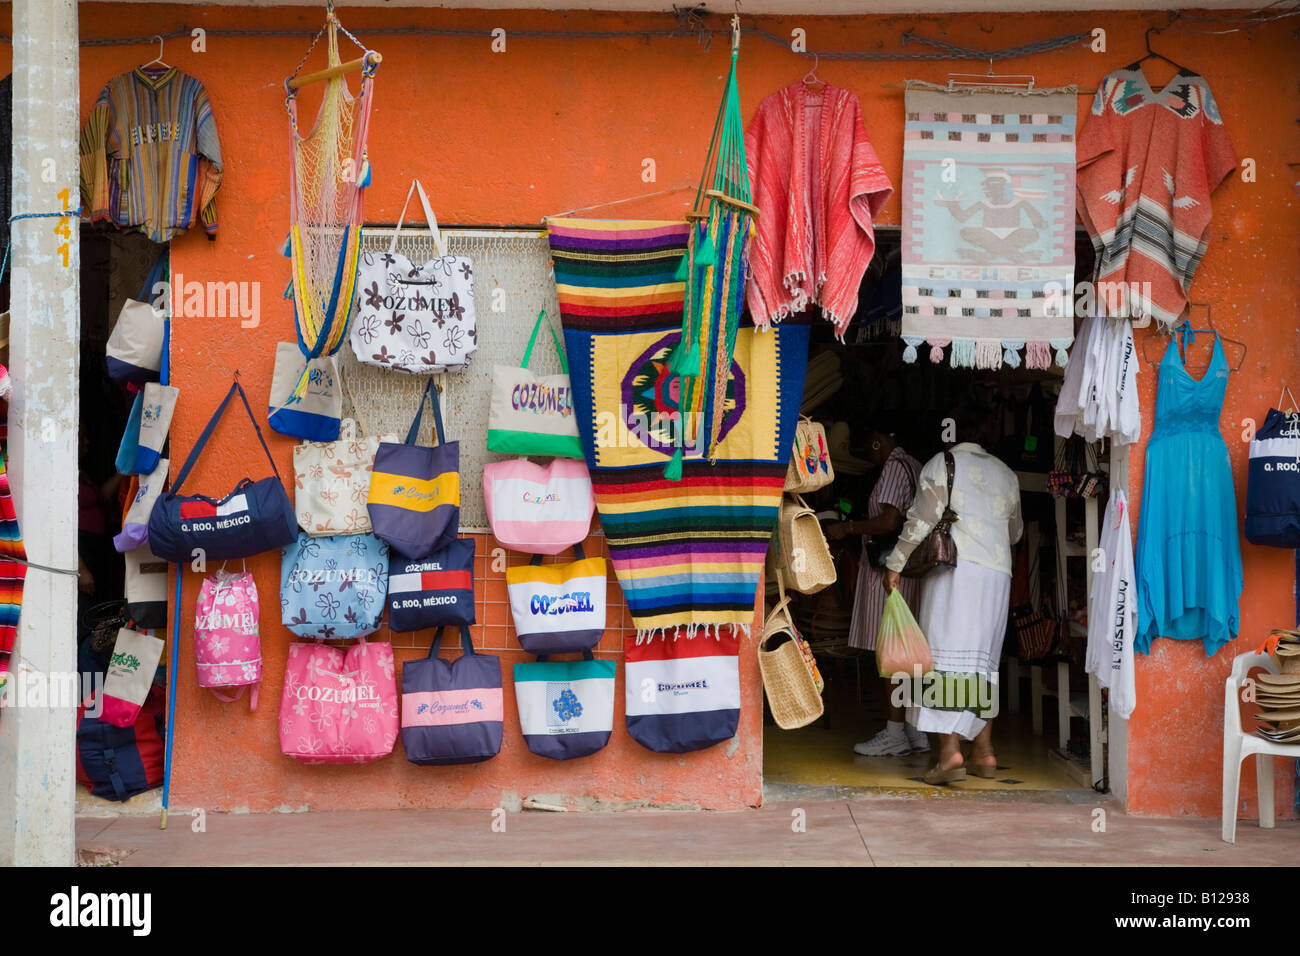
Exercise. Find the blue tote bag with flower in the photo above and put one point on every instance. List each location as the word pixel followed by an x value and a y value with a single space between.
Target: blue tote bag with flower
pixel 415 317
pixel 333 587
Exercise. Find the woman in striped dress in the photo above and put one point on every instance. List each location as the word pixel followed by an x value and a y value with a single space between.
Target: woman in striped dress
pixel 892 495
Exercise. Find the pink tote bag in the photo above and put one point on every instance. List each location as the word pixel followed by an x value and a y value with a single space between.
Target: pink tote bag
pixel 538 509
pixel 339 705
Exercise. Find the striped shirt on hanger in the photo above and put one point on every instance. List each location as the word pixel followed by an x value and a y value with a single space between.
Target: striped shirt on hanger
pixel 149 155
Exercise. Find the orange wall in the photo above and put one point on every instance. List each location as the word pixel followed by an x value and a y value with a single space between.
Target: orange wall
pixel 551 125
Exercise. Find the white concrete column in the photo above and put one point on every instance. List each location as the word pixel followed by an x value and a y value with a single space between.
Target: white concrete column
pixel 37 782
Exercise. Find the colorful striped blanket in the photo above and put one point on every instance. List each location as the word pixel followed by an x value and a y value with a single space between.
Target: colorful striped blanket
pixel 12 573
pixel 988 226
pixel 688 553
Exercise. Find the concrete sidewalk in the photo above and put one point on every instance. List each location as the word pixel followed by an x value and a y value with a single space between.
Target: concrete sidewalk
pixel 855 830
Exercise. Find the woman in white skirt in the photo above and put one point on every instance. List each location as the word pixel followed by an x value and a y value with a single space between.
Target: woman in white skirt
pixel 891 497
pixel 963 609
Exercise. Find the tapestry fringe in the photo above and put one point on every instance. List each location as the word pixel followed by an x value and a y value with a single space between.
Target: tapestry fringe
pixel 689 632
pixel 909 353
pixel 1012 354
pixel 1062 356
pixel 1038 354
pixel 988 353
pixel 963 353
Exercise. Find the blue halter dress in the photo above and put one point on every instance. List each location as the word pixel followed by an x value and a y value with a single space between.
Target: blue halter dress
pixel 1188 556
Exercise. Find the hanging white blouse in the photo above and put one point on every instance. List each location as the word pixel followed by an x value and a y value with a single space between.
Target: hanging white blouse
pixel 986 498
pixel 1112 610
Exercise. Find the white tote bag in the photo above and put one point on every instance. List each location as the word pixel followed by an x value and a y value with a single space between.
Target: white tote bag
pixel 315 415
pixel 332 482
pixel 146 588
pixel 531 415
pixel 415 318
pixel 130 674
pixel 135 346
pixel 155 421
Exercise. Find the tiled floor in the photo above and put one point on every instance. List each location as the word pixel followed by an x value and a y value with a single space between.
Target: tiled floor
pixel 821 755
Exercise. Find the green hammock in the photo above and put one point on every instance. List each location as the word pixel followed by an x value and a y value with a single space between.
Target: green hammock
pixel 714 273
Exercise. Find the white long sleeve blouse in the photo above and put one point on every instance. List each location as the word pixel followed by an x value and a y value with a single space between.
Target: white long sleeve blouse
pixel 986 499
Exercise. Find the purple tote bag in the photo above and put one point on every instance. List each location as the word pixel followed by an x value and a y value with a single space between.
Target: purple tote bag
pixel 452 710
pixel 414 500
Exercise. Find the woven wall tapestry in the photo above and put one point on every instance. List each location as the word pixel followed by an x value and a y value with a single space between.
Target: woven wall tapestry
pixel 988 226
pixel 688 553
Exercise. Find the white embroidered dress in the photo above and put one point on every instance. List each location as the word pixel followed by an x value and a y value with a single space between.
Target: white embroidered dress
pixel 964 611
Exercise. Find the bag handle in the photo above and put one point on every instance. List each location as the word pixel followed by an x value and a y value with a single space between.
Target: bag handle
pixel 578 553
pixel 211 426
pixel 155 274
pixel 466 644
pixel 950 465
pixel 429 218
pixel 586 656
pixel 357 408
pixel 532 340
pixel 1286 393
pixel 413 434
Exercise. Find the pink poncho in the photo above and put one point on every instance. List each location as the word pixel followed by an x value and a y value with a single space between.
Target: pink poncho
pixel 817 181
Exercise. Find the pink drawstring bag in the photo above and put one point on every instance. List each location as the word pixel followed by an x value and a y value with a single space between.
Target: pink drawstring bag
pixel 339 706
pixel 227 648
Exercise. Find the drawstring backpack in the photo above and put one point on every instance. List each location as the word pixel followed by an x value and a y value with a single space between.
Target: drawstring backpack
pixel 227 647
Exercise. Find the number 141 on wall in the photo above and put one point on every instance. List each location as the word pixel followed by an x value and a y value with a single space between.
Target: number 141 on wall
pixel 62 229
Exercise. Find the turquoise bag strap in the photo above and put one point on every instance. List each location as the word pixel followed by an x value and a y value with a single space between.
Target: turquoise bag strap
pixel 432 392
pixel 532 340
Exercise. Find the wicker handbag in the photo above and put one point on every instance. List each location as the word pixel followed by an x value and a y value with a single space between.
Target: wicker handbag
pixel 810 459
pixel 793 688
pixel 805 558
pixel 938 549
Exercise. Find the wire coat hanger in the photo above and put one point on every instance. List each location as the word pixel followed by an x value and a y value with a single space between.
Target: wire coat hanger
pixel 810 79
pixel 990 79
pixel 159 58
pixel 1186 327
pixel 1153 55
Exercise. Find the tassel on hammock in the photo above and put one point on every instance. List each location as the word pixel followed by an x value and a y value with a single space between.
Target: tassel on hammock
pixel 327 175
pixel 714 273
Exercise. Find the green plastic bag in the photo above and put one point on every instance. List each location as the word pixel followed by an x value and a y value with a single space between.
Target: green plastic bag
pixel 900 645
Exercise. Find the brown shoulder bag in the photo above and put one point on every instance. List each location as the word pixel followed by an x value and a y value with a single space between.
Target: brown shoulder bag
pixel 938 549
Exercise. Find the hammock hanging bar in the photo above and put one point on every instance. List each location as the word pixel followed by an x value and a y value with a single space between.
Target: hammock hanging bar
pixel 714 272
pixel 371 60
pixel 327 177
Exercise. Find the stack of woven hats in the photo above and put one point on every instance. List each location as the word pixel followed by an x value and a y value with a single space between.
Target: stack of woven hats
pixel 1278 695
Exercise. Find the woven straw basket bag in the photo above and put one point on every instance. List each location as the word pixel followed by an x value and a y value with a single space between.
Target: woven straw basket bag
pixel 805 555
pixel 810 460
pixel 792 692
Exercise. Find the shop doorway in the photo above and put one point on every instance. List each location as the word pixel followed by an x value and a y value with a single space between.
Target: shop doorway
pixel 1046 733
pixel 114 266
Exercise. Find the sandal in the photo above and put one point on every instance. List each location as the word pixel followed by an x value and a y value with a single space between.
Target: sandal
pixel 985 771
pixel 938 778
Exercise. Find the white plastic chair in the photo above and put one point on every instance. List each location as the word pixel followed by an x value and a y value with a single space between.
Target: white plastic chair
pixel 1238 744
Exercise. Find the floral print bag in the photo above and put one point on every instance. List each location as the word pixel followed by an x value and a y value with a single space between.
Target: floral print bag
pixel 339 705
pixel 332 482
pixel 227 645
pixel 333 588
pixel 416 318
